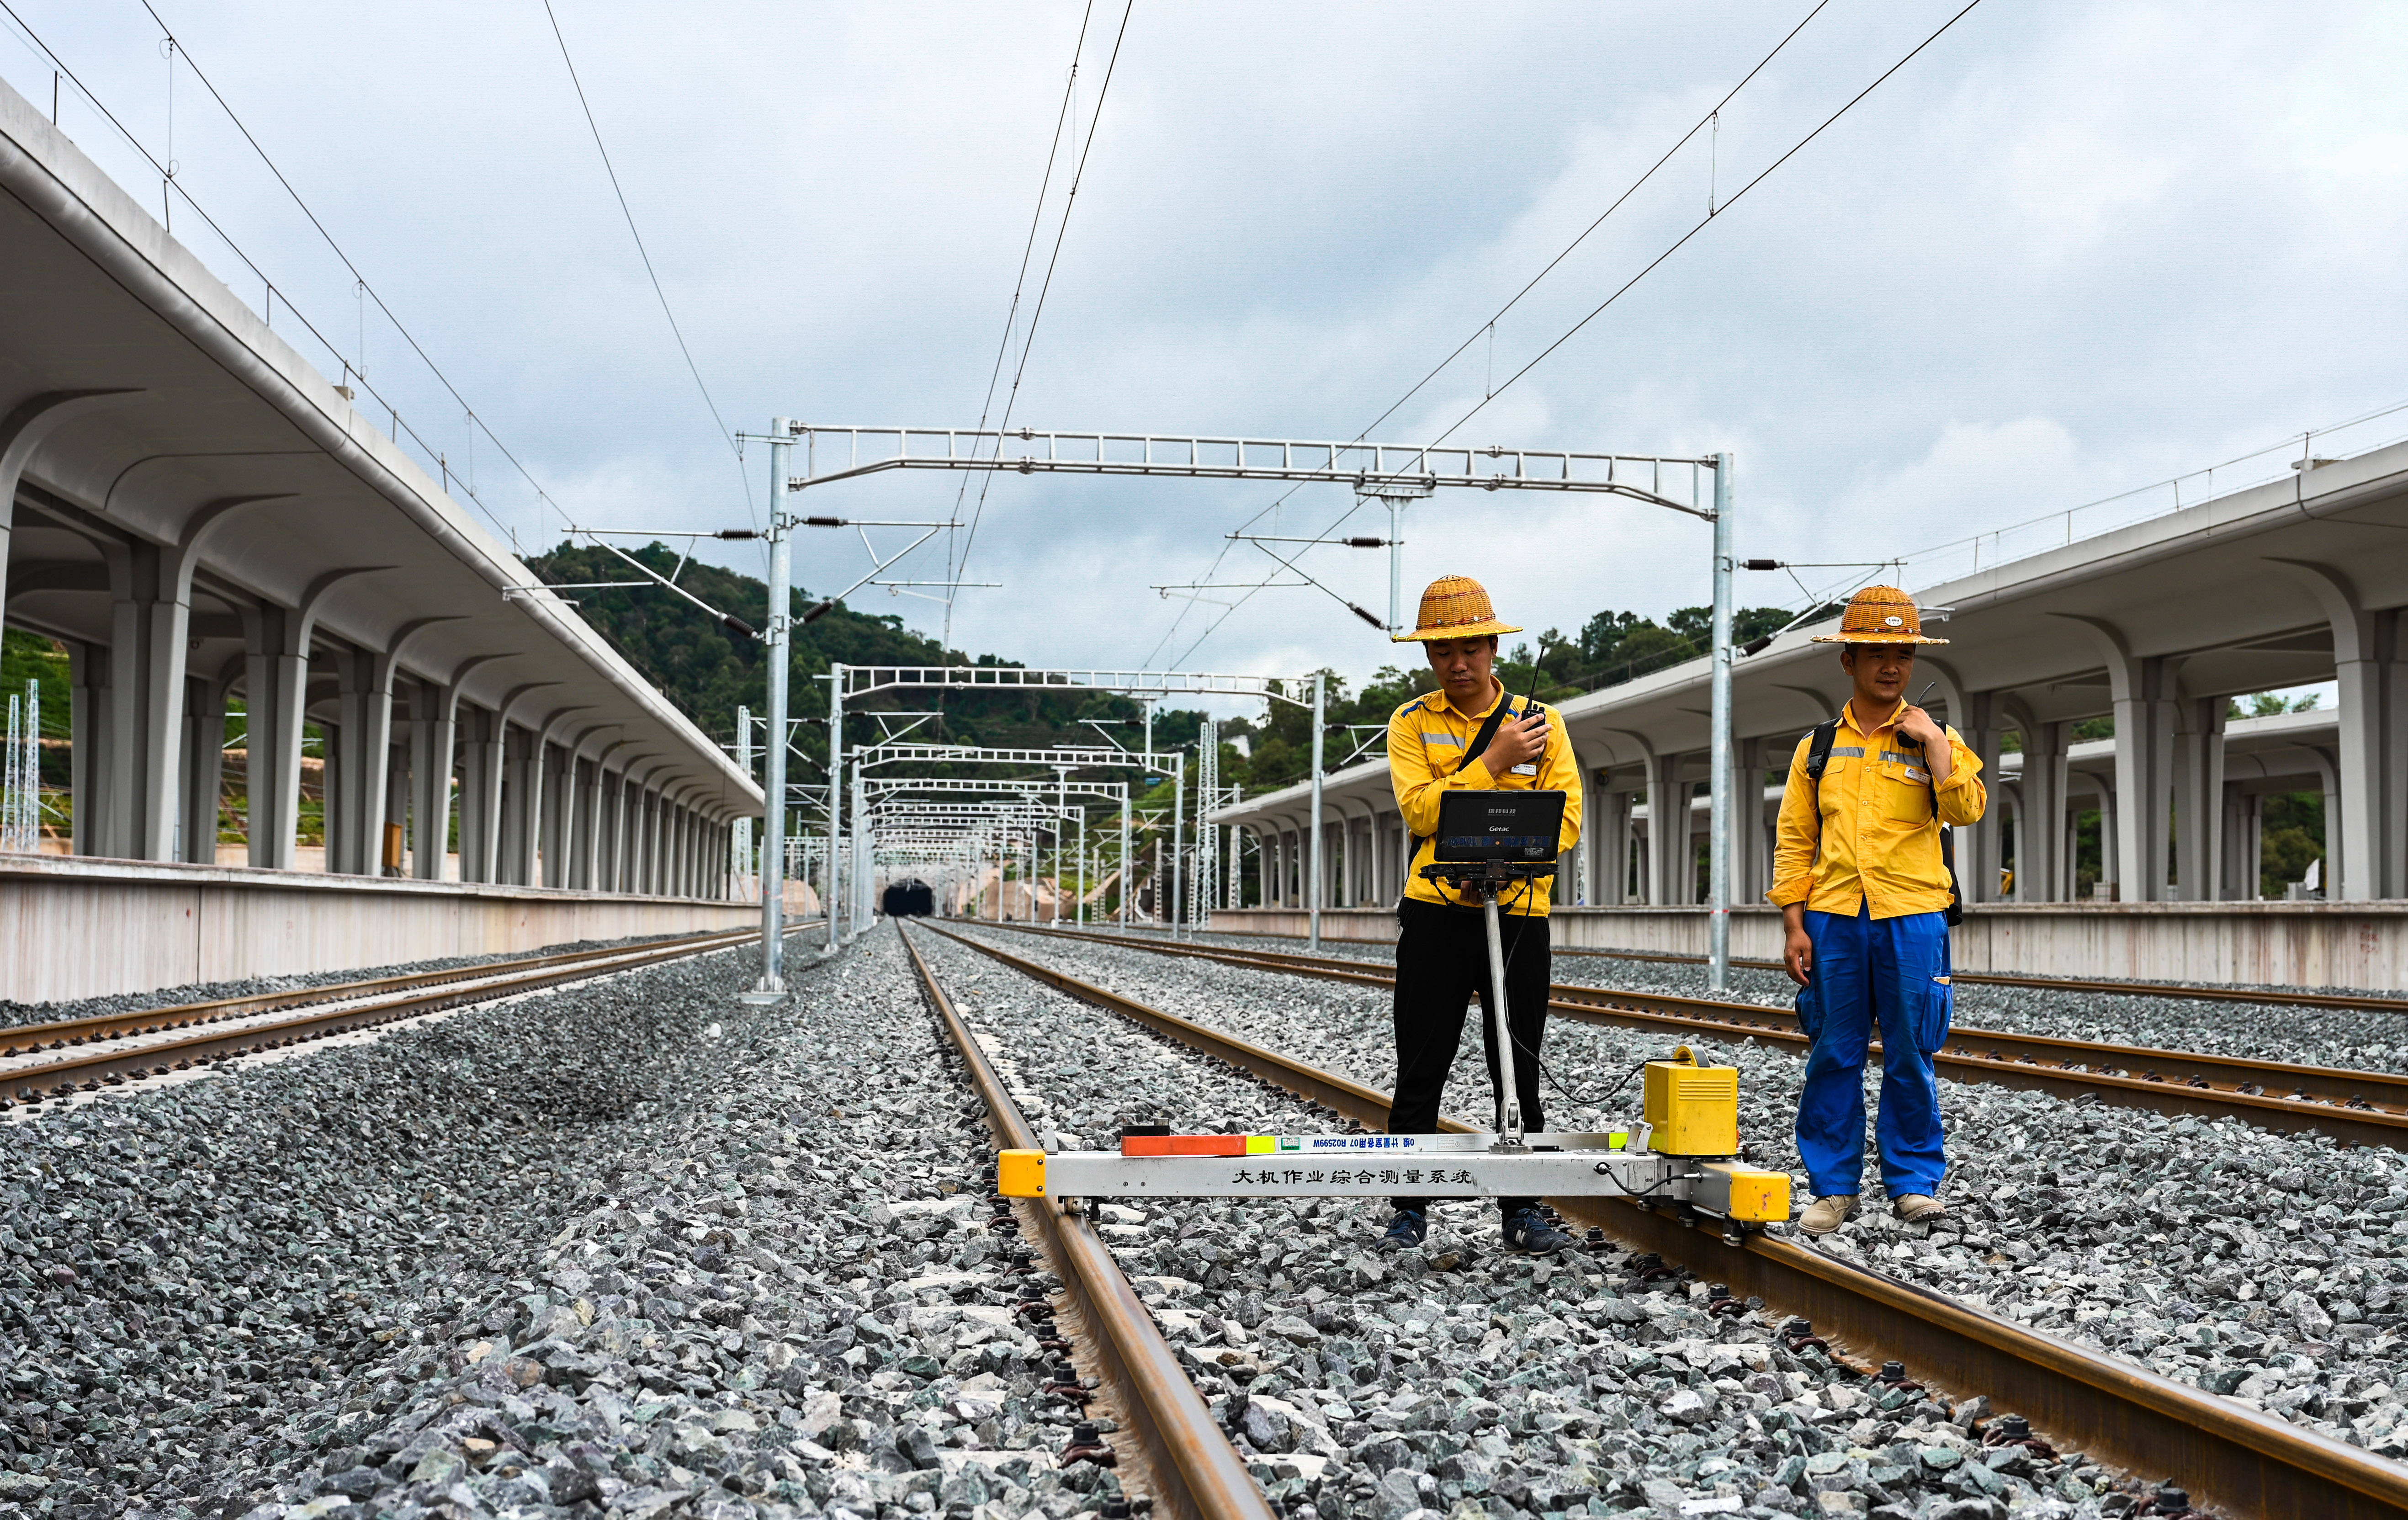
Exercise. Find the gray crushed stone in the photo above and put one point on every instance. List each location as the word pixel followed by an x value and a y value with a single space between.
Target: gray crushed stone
pixel 1457 1378
pixel 626 1247
pixel 2269 1268
pixel 13 1015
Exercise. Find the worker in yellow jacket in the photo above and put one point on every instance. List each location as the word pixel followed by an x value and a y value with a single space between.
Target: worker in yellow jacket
pixel 1865 893
pixel 1470 734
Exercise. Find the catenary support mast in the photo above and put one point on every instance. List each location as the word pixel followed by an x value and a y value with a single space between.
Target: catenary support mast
pixel 1750 791
pixel 772 984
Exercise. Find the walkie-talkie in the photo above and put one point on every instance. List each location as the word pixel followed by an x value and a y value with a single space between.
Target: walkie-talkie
pixel 1919 701
pixel 1532 695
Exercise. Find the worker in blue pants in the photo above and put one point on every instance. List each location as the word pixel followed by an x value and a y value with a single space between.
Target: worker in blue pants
pixel 1893 971
pixel 1862 877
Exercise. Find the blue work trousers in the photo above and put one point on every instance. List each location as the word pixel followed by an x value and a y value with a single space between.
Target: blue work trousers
pixel 1895 971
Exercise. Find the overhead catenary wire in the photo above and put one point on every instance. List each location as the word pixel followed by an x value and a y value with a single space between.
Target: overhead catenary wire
pixel 1701 224
pixel 1702 123
pixel 725 434
pixel 1651 264
pixel 1011 313
pixel 1037 314
pixel 61 68
pixel 1488 327
pixel 362 280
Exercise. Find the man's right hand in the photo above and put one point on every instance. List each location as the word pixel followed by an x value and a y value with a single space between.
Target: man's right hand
pixel 1797 947
pixel 1515 743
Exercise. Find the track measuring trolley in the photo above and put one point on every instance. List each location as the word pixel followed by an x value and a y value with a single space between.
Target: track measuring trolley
pixel 1681 1150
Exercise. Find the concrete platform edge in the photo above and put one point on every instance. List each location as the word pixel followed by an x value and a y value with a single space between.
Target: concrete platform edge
pixel 2329 944
pixel 75 927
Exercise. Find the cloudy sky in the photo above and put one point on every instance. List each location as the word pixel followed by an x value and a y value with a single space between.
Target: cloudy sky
pixel 2066 252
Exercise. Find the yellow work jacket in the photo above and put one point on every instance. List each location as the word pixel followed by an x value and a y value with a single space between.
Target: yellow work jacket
pixel 1426 739
pixel 1880 838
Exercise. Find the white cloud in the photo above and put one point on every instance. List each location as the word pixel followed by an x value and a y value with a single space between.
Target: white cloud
pixel 1973 472
pixel 2067 250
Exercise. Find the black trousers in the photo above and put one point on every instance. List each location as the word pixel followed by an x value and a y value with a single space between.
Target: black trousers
pixel 1441 965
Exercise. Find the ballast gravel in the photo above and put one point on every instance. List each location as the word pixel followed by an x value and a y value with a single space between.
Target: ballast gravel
pixel 14 1015
pixel 629 1247
pixel 2269 1268
pixel 1457 1378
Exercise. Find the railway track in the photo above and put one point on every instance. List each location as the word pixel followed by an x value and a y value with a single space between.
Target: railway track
pixel 2352 1002
pixel 2231 1458
pixel 2358 1107
pixel 110 1049
pixel 1191 1468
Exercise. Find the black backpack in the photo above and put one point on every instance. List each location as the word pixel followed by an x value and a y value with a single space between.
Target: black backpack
pixel 1818 758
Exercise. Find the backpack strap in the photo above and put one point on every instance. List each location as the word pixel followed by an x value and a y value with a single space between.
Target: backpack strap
pixel 1818 759
pixel 1487 731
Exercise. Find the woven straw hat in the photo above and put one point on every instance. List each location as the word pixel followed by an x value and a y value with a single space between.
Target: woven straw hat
pixel 1880 615
pixel 1455 607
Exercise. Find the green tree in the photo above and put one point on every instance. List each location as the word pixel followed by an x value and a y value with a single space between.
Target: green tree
pixel 2293 836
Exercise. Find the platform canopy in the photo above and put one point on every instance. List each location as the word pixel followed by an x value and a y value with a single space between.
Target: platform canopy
pixel 198 513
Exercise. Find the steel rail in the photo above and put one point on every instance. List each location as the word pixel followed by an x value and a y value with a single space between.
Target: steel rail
pixel 2358 1108
pixel 2228 1456
pixel 2338 1001
pixel 2353 1002
pixel 436 992
pixel 1193 1470
pixel 58 1034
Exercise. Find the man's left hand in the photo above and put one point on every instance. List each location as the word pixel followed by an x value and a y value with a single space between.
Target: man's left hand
pixel 1938 756
pixel 1916 725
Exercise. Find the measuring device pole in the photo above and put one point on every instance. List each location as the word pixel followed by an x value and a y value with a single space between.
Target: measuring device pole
pixel 772 985
pixel 1509 1092
pixel 1722 801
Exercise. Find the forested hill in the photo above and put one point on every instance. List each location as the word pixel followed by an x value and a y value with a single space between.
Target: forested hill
pixel 708 672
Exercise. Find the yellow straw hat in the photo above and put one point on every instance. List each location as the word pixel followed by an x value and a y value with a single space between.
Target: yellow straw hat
pixel 1880 615
pixel 1455 607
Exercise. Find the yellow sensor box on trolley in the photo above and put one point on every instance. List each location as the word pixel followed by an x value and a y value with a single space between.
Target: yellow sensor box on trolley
pixel 1693 1109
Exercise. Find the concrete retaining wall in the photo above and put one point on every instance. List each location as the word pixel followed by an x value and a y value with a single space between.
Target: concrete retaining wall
pixel 80 927
pixel 2341 945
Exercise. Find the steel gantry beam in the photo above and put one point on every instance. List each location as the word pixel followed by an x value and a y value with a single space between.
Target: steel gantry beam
pixel 1391 473
pixel 974 755
pixel 867 680
pixel 1361 466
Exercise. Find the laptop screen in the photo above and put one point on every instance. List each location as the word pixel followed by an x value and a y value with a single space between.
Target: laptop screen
pixel 1498 825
